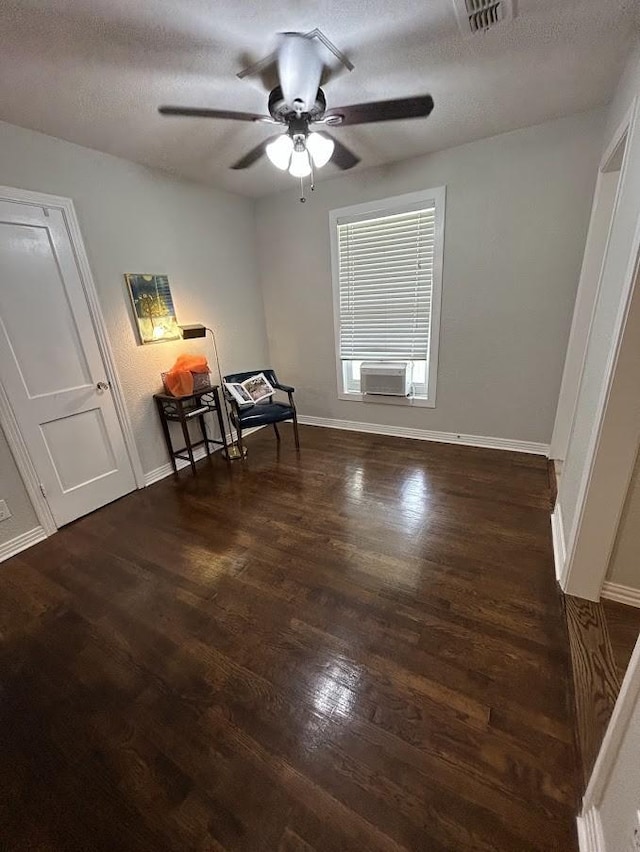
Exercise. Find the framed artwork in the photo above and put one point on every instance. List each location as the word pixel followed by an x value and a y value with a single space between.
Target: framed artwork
pixel 153 307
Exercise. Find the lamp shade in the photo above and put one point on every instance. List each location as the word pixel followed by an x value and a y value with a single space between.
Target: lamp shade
pixel 300 166
pixel 279 151
pixel 193 330
pixel 321 148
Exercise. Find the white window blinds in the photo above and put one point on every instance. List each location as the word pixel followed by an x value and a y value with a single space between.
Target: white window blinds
pixel 385 286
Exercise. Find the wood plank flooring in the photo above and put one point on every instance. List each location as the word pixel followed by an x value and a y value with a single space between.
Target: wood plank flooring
pixel 360 647
pixel 596 680
pixel 601 638
pixel 623 625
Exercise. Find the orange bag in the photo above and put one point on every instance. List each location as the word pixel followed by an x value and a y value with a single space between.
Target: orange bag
pixel 179 379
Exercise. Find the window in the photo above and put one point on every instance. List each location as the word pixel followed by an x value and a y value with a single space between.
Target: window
pixel 387 274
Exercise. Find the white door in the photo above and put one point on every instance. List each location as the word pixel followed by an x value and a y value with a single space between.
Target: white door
pixel 52 369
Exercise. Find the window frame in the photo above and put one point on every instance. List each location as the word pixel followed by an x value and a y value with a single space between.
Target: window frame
pixel 389 207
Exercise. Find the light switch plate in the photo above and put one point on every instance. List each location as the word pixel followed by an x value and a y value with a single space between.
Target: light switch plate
pixel 4 511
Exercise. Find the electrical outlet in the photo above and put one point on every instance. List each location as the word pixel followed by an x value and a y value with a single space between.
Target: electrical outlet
pixel 4 511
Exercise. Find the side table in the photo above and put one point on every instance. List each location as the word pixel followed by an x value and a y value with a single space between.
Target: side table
pixel 182 409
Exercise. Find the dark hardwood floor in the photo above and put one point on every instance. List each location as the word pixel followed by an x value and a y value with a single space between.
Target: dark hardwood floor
pixel 595 677
pixel 358 648
pixel 623 624
pixel 601 637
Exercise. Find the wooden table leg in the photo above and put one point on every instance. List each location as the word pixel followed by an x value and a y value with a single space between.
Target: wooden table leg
pixel 187 438
pixel 167 434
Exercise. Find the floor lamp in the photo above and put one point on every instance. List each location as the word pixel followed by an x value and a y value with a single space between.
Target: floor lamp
pixel 190 332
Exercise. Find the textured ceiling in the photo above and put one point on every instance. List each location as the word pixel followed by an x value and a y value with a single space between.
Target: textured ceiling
pixel 94 71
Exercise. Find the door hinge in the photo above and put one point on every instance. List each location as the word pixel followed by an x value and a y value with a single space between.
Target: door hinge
pixel 44 493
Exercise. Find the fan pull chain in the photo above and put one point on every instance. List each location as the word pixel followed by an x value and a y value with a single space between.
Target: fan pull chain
pixel 312 184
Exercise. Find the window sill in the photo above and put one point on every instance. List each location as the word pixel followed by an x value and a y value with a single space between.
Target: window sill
pixel 373 399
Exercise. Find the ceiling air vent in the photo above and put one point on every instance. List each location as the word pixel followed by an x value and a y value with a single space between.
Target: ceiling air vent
pixel 478 16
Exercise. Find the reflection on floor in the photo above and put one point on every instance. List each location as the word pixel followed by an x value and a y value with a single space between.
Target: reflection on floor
pixel 358 648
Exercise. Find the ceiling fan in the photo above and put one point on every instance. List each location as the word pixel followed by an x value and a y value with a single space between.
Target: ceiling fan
pixel 298 105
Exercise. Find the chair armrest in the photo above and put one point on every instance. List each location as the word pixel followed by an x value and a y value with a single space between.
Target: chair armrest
pixel 232 403
pixel 289 390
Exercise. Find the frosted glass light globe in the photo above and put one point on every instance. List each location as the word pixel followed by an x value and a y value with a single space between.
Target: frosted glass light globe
pixel 300 166
pixel 279 151
pixel 321 148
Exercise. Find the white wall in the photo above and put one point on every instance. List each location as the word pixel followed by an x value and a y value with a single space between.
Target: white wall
pixel 627 89
pixel 137 220
pixel 621 800
pixel 12 490
pixel 517 213
pixel 624 567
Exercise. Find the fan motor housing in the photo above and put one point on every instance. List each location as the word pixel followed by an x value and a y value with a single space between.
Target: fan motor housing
pixel 281 111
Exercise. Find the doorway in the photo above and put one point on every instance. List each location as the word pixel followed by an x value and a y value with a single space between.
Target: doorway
pixel 602 213
pixel 60 402
pixel 603 438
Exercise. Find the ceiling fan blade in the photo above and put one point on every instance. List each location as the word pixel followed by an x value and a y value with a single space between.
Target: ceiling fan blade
pixel 342 156
pixel 417 107
pixel 203 112
pixel 254 154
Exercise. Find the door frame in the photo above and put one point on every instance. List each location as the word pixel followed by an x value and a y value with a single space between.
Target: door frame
pixel 581 567
pixel 560 442
pixel 8 420
pixel 589 825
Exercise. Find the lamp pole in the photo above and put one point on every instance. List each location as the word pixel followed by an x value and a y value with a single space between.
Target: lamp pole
pixel 233 449
pixel 189 332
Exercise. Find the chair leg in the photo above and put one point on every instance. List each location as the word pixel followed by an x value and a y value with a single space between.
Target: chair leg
pixel 275 429
pixel 295 431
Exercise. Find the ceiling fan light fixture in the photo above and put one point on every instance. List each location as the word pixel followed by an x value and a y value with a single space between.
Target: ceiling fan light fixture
pixel 300 164
pixel 279 151
pixel 320 148
pixel 297 105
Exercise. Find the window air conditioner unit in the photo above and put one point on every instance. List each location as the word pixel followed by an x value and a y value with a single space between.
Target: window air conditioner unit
pixel 385 379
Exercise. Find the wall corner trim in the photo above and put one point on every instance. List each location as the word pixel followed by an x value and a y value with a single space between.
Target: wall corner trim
pixel 590 837
pixel 508 444
pixel 622 594
pixel 559 548
pixel 21 542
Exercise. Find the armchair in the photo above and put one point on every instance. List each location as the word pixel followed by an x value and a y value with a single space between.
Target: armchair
pixel 262 413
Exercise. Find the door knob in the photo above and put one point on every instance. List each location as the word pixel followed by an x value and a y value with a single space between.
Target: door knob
pixel 103 386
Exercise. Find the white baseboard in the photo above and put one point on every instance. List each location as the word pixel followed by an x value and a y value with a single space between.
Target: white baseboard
pixel 559 547
pixel 427 435
pixel 590 837
pixel 621 594
pixel 167 469
pixel 21 542
pixel 199 453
